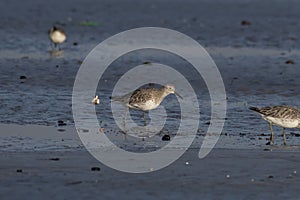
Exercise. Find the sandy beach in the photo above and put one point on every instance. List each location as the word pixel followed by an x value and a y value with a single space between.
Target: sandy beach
pixel 255 45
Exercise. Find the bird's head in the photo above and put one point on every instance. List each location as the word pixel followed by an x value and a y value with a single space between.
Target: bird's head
pixel 170 89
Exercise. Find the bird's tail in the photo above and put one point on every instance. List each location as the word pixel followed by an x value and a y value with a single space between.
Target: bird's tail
pixel 116 98
pixel 254 109
pixel 121 99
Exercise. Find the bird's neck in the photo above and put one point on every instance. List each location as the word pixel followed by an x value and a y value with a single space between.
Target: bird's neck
pixel 161 96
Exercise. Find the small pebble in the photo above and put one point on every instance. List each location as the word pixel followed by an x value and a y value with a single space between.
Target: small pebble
pixel 292 38
pixel 95 169
pixel 74 183
pixel 166 138
pixel 151 169
pixel 295 172
pixel 187 163
pixel 61 123
pixel 268 143
pixel 295 134
pixel 54 159
pixel 245 23
pixel 252 180
pixel 19 170
pixel 227 176
pixel 289 62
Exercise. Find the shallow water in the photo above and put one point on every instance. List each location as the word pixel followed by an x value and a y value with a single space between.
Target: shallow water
pixel 251 59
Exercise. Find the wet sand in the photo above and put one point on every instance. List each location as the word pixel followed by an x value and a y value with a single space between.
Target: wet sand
pixel 51 162
pixel 258 60
pixel 223 174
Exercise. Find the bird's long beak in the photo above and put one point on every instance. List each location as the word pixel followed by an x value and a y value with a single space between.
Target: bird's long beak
pixel 178 95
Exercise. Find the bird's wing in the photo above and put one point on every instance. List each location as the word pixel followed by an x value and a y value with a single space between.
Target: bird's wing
pixel 140 96
pixel 285 112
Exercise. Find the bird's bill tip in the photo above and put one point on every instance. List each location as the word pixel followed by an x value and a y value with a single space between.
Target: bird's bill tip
pixel 178 95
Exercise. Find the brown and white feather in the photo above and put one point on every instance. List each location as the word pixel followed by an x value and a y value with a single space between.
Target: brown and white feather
pixel 145 98
pixel 284 116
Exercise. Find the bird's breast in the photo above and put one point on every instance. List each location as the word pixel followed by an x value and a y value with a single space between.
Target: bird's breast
pixel 147 105
pixel 57 37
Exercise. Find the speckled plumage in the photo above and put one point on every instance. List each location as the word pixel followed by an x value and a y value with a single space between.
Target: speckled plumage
pixel 149 98
pixel 145 99
pixel 286 112
pixel 283 116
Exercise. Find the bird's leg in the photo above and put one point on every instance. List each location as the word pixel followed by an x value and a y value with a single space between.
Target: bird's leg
pixel 272 135
pixel 145 123
pixel 52 45
pixel 284 138
pixel 124 120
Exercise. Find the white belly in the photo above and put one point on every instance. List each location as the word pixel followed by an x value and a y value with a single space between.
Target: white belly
pixel 148 105
pixel 286 123
pixel 58 37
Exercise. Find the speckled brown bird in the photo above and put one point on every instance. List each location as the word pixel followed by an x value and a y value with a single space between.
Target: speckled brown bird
pixel 283 116
pixel 146 99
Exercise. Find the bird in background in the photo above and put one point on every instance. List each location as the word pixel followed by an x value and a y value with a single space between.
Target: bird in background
pixel 57 36
pixel 145 99
pixel 282 116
